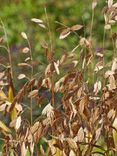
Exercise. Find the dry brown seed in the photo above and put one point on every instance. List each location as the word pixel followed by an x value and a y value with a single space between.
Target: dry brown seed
pixel 76 27
pixel 27 59
pixel 36 20
pixel 23 34
pixel 42 25
pixel 25 50
pixel 64 33
pixel 24 65
pixel 21 76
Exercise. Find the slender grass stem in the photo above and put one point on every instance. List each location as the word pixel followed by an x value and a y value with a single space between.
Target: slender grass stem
pixel 7 48
pixel 104 35
pixel 114 50
pixel 92 22
pixel 31 76
pixel 49 30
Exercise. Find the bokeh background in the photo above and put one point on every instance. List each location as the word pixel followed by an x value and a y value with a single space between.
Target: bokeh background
pixel 17 14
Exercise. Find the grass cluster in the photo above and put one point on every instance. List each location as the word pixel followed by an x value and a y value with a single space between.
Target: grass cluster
pixel 69 107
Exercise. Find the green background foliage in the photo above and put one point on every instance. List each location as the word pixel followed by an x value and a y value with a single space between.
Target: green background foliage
pixel 17 14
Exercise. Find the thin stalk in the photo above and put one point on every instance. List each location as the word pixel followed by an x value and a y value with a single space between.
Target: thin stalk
pixel 114 50
pixel 93 55
pixel 51 50
pixel 92 22
pixel 3 65
pixel 4 47
pixel 104 34
pixel 49 30
pixel 31 76
pixel 8 48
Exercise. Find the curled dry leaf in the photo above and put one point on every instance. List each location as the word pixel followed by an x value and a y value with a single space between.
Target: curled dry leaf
pixel 59 84
pixel 111 113
pixel 4 105
pixel 72 143
pixel 112 83
pixel 109 73
pixel 97 87
pixel 49 112
pixel 48 69
pixel 85 42
pixel 98 133
pixel 82 105
pixel 73 109
pixel 47 83
pixel 35 132
pixel 18 123
pixel 63 58
pixel 56 65
pixel 35 127
pixel 75 62
pixel 18 107
pixel 98 66
pixel 80 135
pixel 21 76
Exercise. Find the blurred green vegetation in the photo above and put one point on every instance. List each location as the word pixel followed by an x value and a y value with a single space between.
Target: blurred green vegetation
pixel 17 14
